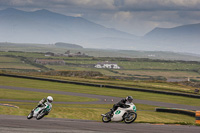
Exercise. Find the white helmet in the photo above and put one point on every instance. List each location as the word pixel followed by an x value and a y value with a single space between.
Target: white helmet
pixel 50 99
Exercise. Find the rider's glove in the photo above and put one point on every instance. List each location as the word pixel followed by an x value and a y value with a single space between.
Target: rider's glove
pixel 126 106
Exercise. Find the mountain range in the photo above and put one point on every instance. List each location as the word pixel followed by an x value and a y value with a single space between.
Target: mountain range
pixel 184 38
pixel 43 26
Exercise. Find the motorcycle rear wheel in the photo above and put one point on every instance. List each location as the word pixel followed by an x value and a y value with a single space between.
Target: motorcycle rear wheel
pixel 132 117
pixel 40 115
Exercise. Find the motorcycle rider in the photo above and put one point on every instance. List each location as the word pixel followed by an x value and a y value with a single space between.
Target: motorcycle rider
pixel 44 100
pixel 121 104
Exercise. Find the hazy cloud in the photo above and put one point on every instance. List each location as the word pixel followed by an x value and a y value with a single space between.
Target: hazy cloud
pixel 123 5
pixel 155 5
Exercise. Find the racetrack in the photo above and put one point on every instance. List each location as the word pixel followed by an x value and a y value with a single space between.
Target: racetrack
pixel 109 99
pixel 19 124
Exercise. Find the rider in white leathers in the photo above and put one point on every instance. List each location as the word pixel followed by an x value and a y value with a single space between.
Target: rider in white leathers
pixel 44 100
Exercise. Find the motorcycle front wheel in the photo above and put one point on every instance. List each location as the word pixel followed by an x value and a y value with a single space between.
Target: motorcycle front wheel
pixel 30 116
pixel 105 119
pixel 131 118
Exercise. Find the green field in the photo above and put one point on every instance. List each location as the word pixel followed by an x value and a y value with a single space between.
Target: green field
pixel 152 85
pixel 36 96
pixel 131 68
pixel 145 113
pixel 99 52
pixel 165 73
pixel 27 83
pixel 137 70
pixel 14 63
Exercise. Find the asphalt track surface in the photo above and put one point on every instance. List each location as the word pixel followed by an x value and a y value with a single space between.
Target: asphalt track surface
pixel 19 124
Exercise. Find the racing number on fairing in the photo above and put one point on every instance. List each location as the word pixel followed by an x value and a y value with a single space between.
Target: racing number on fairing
pixel 134 108
pixel 117 112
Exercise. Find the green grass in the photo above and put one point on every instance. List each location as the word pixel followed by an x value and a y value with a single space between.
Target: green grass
pixel 168 118
pixel 97 90
pixel 14 63
pixel 141 65
pixel 36 96
pixel 158 65
pixel 163 86
pixel 153 85
pixel 146 113
pixel 135 68
pixel 167 74
pixel 166 69
pixel 63 68
pixel 9 60
pixel 17 66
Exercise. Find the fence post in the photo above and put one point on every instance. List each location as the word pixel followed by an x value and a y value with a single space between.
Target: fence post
pixel 197 117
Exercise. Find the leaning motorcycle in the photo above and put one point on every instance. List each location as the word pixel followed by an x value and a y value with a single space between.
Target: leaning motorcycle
pixel 127 114
pixel 40 112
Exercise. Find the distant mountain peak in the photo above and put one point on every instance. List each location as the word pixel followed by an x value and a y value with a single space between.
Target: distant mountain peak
pixel 44 26
pixel 11 10
pixel 44 11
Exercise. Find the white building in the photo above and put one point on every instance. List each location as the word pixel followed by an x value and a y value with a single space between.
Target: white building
pixel 107 64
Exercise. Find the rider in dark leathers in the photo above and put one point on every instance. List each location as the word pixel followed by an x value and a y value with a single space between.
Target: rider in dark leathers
pixel 121 104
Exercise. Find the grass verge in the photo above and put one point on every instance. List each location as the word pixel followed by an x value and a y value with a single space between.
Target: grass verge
pixel 18 82
pixel 146 113
pixel 36 96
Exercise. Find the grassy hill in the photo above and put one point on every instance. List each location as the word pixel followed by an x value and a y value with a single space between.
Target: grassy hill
pixel 81 68
pixel 164 55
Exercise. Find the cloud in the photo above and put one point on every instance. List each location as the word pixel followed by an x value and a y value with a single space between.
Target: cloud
pixel 78 4
pixel 108 5
pixel 157 5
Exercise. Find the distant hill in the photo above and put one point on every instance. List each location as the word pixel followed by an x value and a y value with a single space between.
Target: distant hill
pixel 191 30
pixel 44 48
pixel 45 27
pixel 67 45
pixel 184 38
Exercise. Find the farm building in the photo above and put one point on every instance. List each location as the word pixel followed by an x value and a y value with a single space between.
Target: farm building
pixel 50 62
pixel 107 64
pixel 49 54
pixel 66 54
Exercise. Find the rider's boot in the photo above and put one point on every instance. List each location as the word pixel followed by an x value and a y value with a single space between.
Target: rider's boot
pixel 111 113
pixel 34 109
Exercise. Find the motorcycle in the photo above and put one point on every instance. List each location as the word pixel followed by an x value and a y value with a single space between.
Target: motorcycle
pixel 40 112
pixel 127 114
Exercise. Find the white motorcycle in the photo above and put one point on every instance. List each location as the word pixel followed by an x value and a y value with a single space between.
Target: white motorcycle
pixel 128 114
pixel 40 112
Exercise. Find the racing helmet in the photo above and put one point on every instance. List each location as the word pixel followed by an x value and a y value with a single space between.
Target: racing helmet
pixel 129 99
pixel 50 99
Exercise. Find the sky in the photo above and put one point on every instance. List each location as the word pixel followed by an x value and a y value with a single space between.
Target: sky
pixel 137 17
